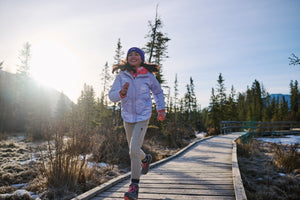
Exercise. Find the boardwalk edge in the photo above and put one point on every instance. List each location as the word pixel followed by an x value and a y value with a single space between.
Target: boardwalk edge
pixel 239 190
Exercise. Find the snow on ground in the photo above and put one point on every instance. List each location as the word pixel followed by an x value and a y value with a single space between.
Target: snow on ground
pixel 289 139
pixel 200 135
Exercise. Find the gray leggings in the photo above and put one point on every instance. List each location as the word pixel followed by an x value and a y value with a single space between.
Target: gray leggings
pixel 135 133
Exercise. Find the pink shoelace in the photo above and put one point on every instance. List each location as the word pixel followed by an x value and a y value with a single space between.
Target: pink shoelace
pixel 144 164
pixel 132 188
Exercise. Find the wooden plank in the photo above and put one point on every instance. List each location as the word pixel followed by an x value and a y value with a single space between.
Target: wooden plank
pixel 144 192
pixel 177 191
pixel 169 196
pixel 176 186
pixel 186 175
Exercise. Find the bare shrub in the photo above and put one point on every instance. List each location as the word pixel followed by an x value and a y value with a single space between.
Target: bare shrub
pixel 111 146
pixel 177 137
pixel 247 149
pixel 286 156
pixel 64 165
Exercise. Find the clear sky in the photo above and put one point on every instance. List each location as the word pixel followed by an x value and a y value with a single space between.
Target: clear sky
pixel 71 40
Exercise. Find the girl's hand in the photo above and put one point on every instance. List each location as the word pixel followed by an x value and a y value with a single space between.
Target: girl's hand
pixel 161 115
pixel 124 89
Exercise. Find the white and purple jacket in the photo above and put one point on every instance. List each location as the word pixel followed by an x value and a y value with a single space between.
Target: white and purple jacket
pixel 137 104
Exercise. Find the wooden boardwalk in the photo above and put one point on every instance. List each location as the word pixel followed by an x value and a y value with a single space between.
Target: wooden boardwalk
pixel 203 172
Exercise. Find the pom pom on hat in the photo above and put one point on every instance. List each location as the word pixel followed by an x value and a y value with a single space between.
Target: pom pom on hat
pixel 139 51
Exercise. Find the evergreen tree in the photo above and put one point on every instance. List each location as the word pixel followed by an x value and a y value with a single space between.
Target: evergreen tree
pixel 283 110
pixel 257 101
pixel 106 78
pixel 294 99
pixel 231 106
pixel 23 89
pixel 221 97
pixel 61 108
pixel 254 102
pixel 176 98
pixel 268 113
pixel 119 53
pixel 39 114
pixel 86 109
pixel 25 56
pixel 169 103
pixel 157 46
pixel 116 114
pixel 241 107
pixel 188 102
pixel 214 115
pixel 275 109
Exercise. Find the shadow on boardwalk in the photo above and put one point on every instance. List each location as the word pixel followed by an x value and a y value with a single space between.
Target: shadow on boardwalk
pixel 201 171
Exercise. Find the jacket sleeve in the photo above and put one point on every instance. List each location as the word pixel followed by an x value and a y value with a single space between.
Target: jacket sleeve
pixel 158 93
pixel 114 93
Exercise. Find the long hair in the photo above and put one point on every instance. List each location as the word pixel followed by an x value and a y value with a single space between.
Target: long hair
pixel 153 68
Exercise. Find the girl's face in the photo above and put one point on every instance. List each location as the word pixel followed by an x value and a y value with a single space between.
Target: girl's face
pixel 134 59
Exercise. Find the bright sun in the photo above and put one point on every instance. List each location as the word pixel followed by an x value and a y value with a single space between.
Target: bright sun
pixel 56 66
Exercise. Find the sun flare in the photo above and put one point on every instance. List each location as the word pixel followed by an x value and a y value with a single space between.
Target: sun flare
pixel 55 65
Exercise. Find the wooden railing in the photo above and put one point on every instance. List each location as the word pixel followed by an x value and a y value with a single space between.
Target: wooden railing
pixel 263 127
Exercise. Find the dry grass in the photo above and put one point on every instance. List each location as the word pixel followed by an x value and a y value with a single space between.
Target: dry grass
pixel 13 171
pixel 262 178
pixel 248 149
pixel 286 156
pixel 64 164
pixel 111 147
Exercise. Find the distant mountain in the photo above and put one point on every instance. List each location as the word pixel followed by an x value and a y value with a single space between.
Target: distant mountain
pixel 287 97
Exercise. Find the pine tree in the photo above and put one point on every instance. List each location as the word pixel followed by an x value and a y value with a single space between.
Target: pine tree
pixel 257 101
pixel 24 90
pixel 119 53
pixel 176 98
pixel 267 113
pixel 25 56
pixel 294 99
pixel 231 109
pixel 39 114
pixel 241 107
pixel 106 78
pixel 188 101
pixel 214 115
pixel 61 108
pixel 275 109
pixel 157 46
pixel 116 113
pixel 86 109
pixel 221 97
pixel 283 109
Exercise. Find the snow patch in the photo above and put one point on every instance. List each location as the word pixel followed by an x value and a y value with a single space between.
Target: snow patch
pixel 289 139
